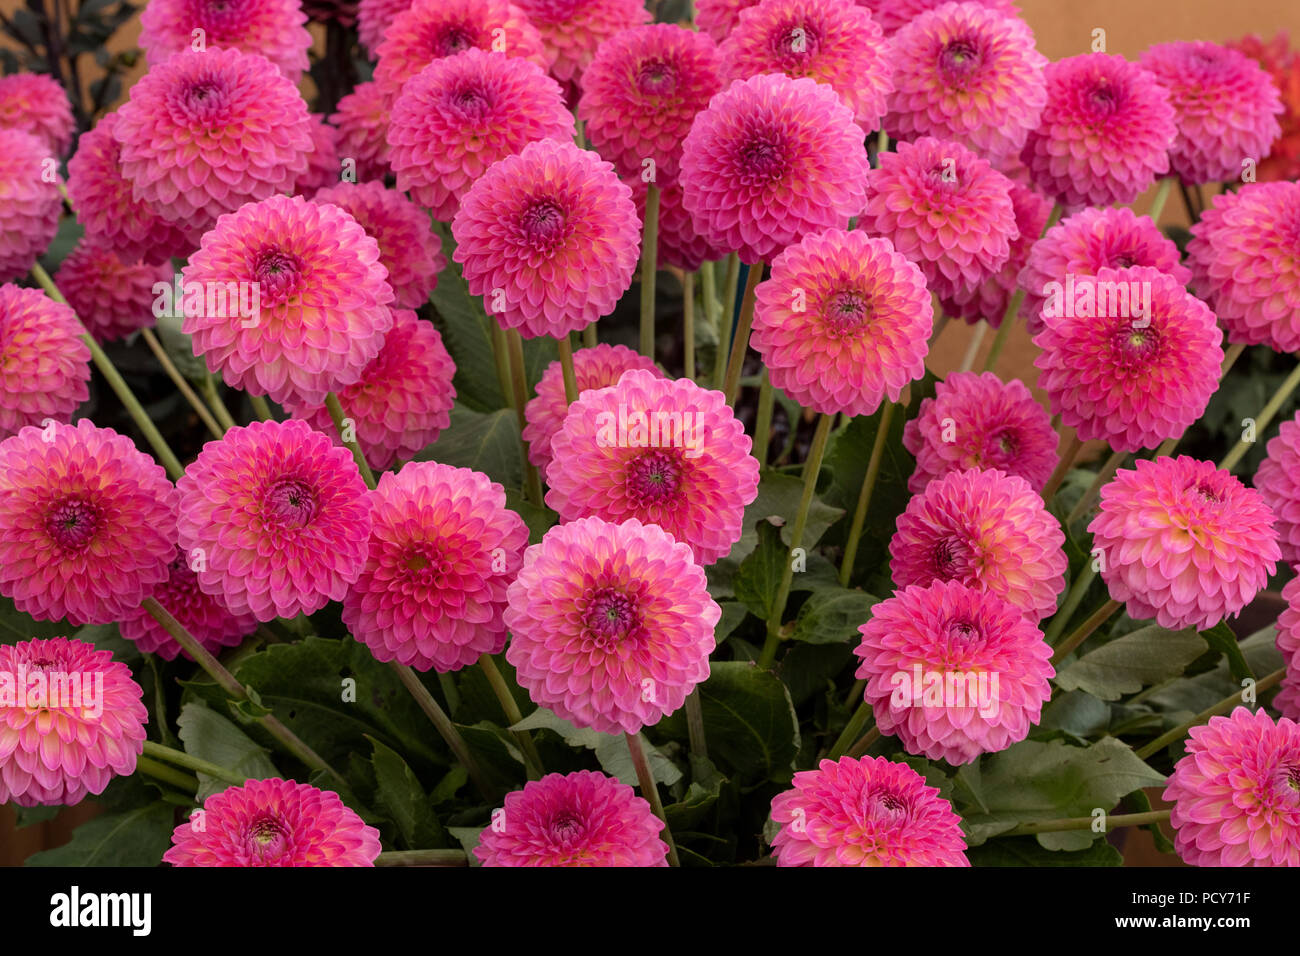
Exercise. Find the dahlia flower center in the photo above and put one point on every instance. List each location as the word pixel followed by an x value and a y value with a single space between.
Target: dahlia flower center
pixel 1104 99
pixel 266 838
pixel 72 523
pixel 886 808
pixel 1135 347
pixel 291 502
pixel 1123 260
pixel 1291 777
pixel 471 102
pixel 762 159
pixel 567 827
pixel 542 224
pixel 654 477
pixel 278 275
pixel 218 13
pixel 656 78
pixel 1208 494
pixel 203 102
pixel 847 311
pixel 951 559
pixel 455 38
pixel 1002 445
pixel 611 618
pixel 959 59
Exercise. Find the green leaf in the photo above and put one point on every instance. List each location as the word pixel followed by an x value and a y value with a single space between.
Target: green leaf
pixel 611 749
pixel 733 613
pixel 538 520
pixel 1125 665
pixel 700 797
pixel 759 575
pixel 137 837
pixel 1189 696
pixel 1222 639
pixel 484 441
pixel 467 335
pixel 26 816
pixel 468 838
pixel 398 794
pixel 779 496
pixel 209 736
pixel 1142 804
pixel 833 616
pixel 180 348
pixel 15 626
pixel 1026 851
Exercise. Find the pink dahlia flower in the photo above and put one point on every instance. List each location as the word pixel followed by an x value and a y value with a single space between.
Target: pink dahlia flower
pixel 641 93
pixel 361 131
pixel 30 204
pixel 1236 793
pixel 277 29
pixel 429 30
pixel 953 672
pixel 323 166
pixel 598 367
pixel 1104 135
pixel 36 104
pixel 205 133
pixel 680 245
pixel 611 624
pixel 1287 701
pixel 404 398
pixel 667 452
pixel 549 237
pixel 1128 374
pixel 111 298
pixel 274 823
pixel 1225 106
pixel 985 529
pixel 1091 240
pixel 1184 542
pixel 281 517
pixel 944 208
pixel 865 812
pixel 1278 482
pixel 896 14
pixel 718 18
pixel 408 248
pixel 461 114
pixel 102 200
pixel 317 299
pixel 970 74
pixel 443 548
pixel 576 819
pixel 46 365
pixel 374 17
pixel 836 43
pixel 72 721
pixel 87 523
pixel 572 30
pixel 771 160
pixel 842 322
pixel 979 421
pixel 1243 261
pixel 206 617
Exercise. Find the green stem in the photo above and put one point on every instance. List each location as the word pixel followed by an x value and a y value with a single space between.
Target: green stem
pixel 857 723
pixel 182 386
pixel 864 496
pixel 589 339
pixel 763 421
pixel 197 764
pixel 1264 417
pixel 1068 455
pixel 811 469
pixel 442 723
pixel 649 264
pixel 422 858
pixel 730 282
pixel 863 743
pixel 1004 330
pixel 882 142
pixel 1107 472
pixel 695 725
pixel 1218 710
pixel 973 349
pixel 261 408
pixel 1085 630
pixel 565 349
pixel 160 771
pixel 501 357
pixel 650 791
pixel 213 397
pixel 117 383
pixel 519 382
pixel 1086 823
pixel 1072 601
pixel 336 413
pixel 449 691
pixel 740 343
pixel 688 325
pixel 532 759
pixel 1162 196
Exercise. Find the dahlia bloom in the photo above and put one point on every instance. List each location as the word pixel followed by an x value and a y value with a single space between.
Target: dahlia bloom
pixel 979 421
pixel 718 18
pixel 361 131
pixel 893 15
pixel 1132 376
pixel 443 547
pixel 1283 67
pixel 576 819
pixel 1091 240
pixel 110 297
pixel 69 731
pixel 970 74
pixel 611 624
pixel 429 30
pixel 87 523
pixel 318 297
pixel 1183 542
pixel 572 30
pixel 374 17
pixel 1225 107
pixel 105 207
pixel 1104 135
pixel 46 365
pixel 952 671
pixel 277 29
pixel 323 166
pixel 837 43
pixel 30 203
pixel 408 248
pixel 946 209
pixel 461 114
pixel 1287 700
pixel 281 516
pixel 680 245
pixel 1276 481
pixel 642 91
pixel 274 823
pixel 550 237
pixel 404 398
pixel 842 322
pixel 206 618
pixel 205 133
pixel 1235 792
pixel 985 529
pixel 1242 256
pixel 770 160
pixel 867 811
pixel 667 452
pixel 593 368
pixel 36 104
